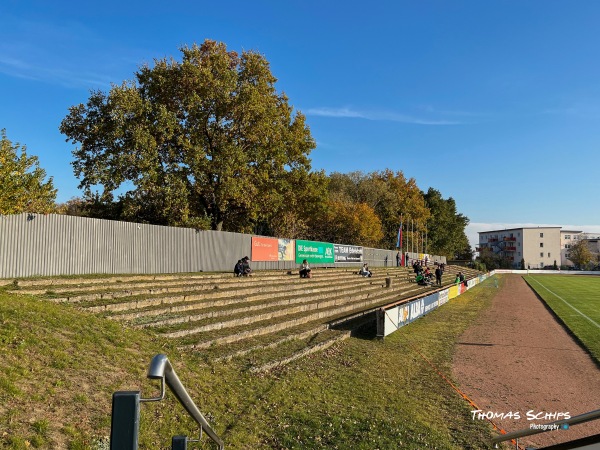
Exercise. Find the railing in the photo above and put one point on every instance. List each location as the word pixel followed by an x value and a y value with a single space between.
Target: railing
pixel 564 424
pixel 125 409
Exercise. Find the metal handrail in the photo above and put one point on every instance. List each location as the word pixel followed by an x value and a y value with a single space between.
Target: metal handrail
pixel 161 368
pixel 575 420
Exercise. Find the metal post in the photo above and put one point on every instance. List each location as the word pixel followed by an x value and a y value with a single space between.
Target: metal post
pixel 125 420
pixel 179 443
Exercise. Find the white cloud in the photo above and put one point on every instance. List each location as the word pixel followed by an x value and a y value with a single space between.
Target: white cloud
pixel 389 116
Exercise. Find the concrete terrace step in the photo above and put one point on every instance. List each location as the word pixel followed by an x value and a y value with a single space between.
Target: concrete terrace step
pixel 77 294
pixel 210 335
pixel 240 286
pixel 239 316
pixel 219 297
pixel 254 346
pixel 261 321
pixel 323 341
pixel 189 313
pixel 107 279
pixel 57 284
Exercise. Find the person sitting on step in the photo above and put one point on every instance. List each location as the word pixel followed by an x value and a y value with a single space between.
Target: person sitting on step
pixel 305 271
pixel 364 271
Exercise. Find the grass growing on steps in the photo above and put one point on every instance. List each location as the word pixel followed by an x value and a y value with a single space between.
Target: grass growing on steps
pixel 60 367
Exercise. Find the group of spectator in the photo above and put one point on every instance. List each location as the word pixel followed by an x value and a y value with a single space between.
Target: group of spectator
pixel 423 275
pixel 242 268
pixel 460 278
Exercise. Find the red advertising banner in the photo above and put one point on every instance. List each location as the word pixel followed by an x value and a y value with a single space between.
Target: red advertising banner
pixel 265 249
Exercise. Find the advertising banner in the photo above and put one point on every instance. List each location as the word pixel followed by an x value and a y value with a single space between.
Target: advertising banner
pixel 453 291
pixel 389 320
pixel 286 249
pixel 348 253
pixel 272 249
pixel 443 297
pixel 265 249
pixel 314 252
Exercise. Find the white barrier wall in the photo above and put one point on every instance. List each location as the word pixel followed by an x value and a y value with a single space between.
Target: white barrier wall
pixel 390 319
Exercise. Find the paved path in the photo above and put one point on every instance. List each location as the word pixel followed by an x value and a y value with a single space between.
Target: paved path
pixel 517 358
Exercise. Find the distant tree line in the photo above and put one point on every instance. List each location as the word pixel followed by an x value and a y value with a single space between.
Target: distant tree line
pixel 207 142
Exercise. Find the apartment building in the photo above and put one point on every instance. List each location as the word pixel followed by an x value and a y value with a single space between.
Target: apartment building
pixel 537 246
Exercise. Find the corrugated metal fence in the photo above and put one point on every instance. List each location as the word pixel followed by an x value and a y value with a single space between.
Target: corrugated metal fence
pixel 37 244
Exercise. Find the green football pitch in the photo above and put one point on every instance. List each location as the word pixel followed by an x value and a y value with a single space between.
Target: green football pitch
pixel 575 299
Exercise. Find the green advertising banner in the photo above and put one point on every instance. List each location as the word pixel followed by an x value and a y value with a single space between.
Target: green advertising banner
pixel 314 252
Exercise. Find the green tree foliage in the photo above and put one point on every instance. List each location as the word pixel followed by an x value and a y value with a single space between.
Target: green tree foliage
pixel 580 254
pixel 493 261
pixel 23 188
pixel 207 141
pixel 446 227
pixel 390 195
pixel 302 213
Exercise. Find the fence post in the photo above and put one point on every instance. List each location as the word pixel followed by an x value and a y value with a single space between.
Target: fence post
pixel 179 443
pixel 125 420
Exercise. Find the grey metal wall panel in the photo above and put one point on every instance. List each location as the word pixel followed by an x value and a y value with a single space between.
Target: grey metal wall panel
pixel 37 244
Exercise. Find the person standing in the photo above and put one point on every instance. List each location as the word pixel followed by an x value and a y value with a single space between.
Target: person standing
pixel 438 275
pixel 398 259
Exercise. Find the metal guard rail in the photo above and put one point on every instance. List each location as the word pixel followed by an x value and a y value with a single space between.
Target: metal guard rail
pixel 161 368
pixel 575 420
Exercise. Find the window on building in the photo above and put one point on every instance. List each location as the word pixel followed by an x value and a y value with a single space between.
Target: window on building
pixel 567 237
pixel 567 245
pixel 518 253
pixel 567 255
pixel 518 244
pixel 548 254
pixel 541 244
pixel 542 255
pixel 541 234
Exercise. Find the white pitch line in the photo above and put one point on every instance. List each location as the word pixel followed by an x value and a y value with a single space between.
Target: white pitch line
pixel 567 303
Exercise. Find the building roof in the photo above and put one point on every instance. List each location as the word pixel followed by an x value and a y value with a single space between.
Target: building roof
pixel 520 228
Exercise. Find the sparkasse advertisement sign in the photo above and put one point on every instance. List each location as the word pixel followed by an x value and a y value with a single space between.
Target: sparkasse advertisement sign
pixel 314 252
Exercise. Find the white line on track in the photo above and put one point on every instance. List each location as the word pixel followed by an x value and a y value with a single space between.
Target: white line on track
pixel 567 303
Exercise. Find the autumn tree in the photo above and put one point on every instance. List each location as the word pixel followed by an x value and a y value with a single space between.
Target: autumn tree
pixel 446 227
pixel 204 142
pixel 580 254
pixel 23 188
pixel 348 222
pixel 390 195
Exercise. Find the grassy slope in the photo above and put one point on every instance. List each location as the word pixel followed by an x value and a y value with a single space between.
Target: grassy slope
pixel 60 366
pixel 583 294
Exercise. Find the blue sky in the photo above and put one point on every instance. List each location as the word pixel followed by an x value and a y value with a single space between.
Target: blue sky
pixel 494 103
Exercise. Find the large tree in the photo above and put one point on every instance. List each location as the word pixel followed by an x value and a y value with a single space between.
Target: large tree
pixel 391 196
pixel 580 254
pixel 22 181
pixel 207 141
pixel 446 227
